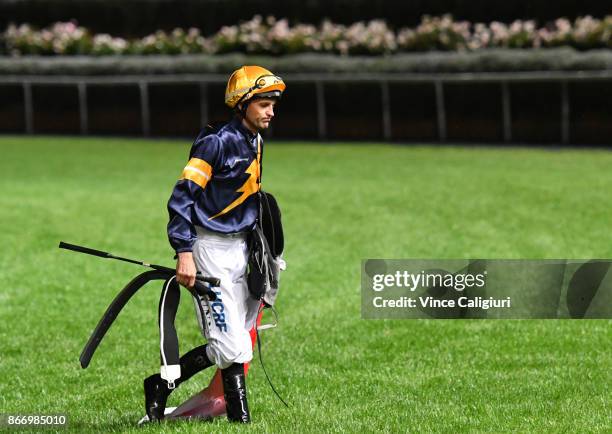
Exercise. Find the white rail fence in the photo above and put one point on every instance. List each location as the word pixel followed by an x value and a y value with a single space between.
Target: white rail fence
pixel 438 81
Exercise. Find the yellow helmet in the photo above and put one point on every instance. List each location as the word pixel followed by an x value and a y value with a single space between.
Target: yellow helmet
pixel 248 81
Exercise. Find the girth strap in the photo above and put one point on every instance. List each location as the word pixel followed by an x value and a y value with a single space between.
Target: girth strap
pixel 170 297
pixel 115 308
pixel 202 288
pixel 168 344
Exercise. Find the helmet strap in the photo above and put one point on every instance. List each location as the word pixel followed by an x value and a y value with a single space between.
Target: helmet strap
pixel 241 108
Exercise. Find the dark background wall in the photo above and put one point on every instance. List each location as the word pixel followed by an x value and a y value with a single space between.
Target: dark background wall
pixel 473 112
pixel 140 17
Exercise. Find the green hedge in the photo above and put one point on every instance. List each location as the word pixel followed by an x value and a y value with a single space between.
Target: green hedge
pixel 491 60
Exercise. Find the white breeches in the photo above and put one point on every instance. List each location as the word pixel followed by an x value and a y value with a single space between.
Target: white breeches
pixel 228 319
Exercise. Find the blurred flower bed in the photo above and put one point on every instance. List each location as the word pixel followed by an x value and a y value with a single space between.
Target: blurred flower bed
pixel 276 37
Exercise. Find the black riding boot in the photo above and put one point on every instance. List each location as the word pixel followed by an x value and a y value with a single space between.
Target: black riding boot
pixel 234 388
pixel 156 388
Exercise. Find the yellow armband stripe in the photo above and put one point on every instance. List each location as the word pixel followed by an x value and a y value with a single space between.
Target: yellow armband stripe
pixel 198 171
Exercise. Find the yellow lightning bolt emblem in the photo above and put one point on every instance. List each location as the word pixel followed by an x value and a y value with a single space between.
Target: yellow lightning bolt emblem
pixel 249 187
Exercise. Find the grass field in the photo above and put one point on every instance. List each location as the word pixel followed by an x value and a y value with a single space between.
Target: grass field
pixel 340 204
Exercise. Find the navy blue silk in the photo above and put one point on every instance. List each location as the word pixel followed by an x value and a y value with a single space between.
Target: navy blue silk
pixel 227 203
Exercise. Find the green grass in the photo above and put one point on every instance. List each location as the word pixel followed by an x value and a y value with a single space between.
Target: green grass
pixel 340 204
